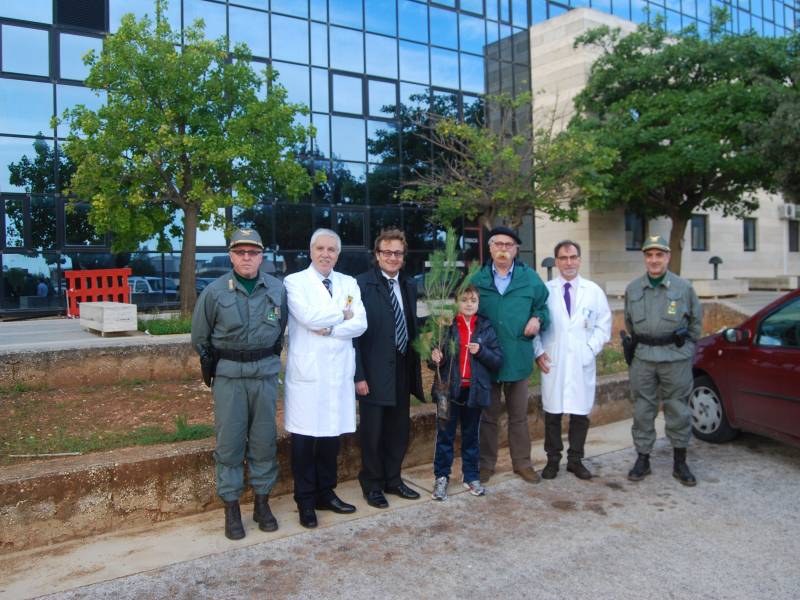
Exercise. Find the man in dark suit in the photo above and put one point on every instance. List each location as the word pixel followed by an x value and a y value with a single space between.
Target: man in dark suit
pixel 387 370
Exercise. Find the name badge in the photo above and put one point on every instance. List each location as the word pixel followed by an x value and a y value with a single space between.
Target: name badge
pixel 672 309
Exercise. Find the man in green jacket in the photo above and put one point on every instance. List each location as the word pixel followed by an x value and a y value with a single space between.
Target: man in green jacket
pixel 514 298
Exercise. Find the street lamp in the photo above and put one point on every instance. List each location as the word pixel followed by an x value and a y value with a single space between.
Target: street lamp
pixel 716 261
pixel 548 263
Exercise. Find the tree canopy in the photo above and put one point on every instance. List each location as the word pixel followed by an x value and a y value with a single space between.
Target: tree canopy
pixel 676 109
pixel 184 128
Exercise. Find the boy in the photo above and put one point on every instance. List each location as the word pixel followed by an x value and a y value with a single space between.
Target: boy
pixel 477 353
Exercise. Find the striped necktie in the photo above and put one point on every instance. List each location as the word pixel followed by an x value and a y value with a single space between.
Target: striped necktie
pixel 328 285
pixel 400 332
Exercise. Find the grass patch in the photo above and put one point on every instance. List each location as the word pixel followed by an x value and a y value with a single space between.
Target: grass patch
pixel 14 390
pixel 96 442
pixel 166 326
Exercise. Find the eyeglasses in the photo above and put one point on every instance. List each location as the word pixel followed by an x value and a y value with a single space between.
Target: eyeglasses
pixel 250 253
pixel 390 253
pixel 504 245
pixel 572 257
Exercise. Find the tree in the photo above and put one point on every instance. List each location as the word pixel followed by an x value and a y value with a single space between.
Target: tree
pixel 675 109
pixel 506 171
pixel 183 129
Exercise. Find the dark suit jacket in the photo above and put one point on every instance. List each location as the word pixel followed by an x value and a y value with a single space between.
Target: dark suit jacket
pixel 375 349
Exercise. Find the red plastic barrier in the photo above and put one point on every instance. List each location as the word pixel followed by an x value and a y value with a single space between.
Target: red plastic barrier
pixel 99 285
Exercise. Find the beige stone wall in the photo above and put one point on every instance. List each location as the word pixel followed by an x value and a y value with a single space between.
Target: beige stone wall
pixel 559 72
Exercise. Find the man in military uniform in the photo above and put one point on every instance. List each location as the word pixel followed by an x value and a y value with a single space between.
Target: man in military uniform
pixel 664 318
pixel 238 324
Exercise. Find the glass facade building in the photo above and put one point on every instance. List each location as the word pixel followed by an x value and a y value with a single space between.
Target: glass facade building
pixel 361 66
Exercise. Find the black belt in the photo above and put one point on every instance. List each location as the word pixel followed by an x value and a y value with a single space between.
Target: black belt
pixel 656 341
pixel 244 355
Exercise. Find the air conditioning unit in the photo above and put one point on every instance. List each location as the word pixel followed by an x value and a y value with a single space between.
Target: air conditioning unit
pixel 787 211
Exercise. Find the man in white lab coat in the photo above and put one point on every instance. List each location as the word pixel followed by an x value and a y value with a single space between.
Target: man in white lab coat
pixel 565 352
pixel 325 314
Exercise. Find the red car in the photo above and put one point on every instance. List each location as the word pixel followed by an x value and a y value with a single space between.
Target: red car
pixel 748 377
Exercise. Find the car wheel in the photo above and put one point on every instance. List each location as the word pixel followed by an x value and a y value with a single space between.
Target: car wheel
pixel 709 422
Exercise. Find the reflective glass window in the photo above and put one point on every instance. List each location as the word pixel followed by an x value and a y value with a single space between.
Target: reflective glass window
pixel 473 34
pixel 445 103
pixel 250 27
pixel 290 7
pixel 319 90
pixel 259 69
pixel 444 68
pixel 26 107
pixel 381 56
pixel 348 94
pixel 78 230
pixel 383 183
pixel 688 7
pixel 635 227
pixel 381 16
pixel 348 182
pixel 444 27
pixel 289 39
pixel 347 49
pixel 213 15
pixel 348 139
pixel 472 74
pixel 505 10
pixel 322 215
pixel 22 275
pixel 519 12
pixel 749 234
pixel 414 62
pixel 43 222
pixel 420 230
pixel 13 152
pixel 262 4
pixel 15 222
pixel 382 98
pixel 638 11
pixel 506 43
pixel 349 224
pixel 472 107
pixel 413 18
pixel 258 217
pixel 26 50
pixel 383 218
pixel 72 49
pixel 704 9
pixel 414 96
pixel 450 3
pixel 319 10
pixel 491 9
pixel 140 8
pixel 295 79
pixel 346 12
pixel 383 144
pixel 475 6
pixel 323 139
pixel 293 225
pixel 319 44
pixel 69 96
pixel 673 21
pixel 40 11
pixel 619 8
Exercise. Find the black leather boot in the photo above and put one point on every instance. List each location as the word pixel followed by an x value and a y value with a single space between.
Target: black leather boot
pixel 262 514
pixel 577 468
pixel 641 469
pixel 550 470
pixel 234 530
pixel 680 469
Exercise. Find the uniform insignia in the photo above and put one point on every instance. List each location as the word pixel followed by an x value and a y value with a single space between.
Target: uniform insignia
pixel 672 309
pixel 246 232
pixel 231 285
pixel 277 312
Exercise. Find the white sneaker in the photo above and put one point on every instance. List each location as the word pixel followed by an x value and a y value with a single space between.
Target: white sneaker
pixel 440 489
pixel 475 488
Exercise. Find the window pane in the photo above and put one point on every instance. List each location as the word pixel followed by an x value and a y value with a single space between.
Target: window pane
pixel 381 15
pixel 348 183
pixel 472 74
pixel 290 7
pixel 444 68
pixel 26 50
pixel 383 142
pixel 794 236
pixel 40 11
pixel 319 90
pixel 72 50
pixel 444 28
pixel 319 9
pixel 349 225
pixel 15 224
pixel 13 152
pixel 519 12
pixel 384 184
pixel 295 79
pixel 250 27
pixel 781 327
pixel 118 8
pixel 43 222
pixel 346 12
pixel 634 231
pixel 749 235
pixel 78 231
pixel 69 96
pixel 413 21
pixel 323 139
pixel 348 94
pixel 289 39
pixel 699 232
pixel 347 49
pixel 213 15
pixel 258 217
pixel 319 44
pixel 473 34
pixel 262 4
pixel 381 56
pixel 414 62
pixel 383 218
pixel 24 277
pixel 293 226
pixel 348 139
pixel 382 98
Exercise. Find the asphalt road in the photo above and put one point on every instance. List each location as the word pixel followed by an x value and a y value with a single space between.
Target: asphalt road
pixel 734 536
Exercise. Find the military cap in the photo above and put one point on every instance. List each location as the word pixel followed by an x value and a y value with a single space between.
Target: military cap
pixel 655 242
pixel 248 237
pixel 501 230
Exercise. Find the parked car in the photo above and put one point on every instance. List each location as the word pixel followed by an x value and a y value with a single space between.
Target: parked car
pixel 748 377
pixel 200 283
pixel 151 285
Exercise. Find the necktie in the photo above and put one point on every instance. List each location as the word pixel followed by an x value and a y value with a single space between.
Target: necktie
pixel 400 333
pixel 328 286
pixel 567 300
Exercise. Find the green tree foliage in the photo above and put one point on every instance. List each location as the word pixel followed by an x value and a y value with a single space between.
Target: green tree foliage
pixel 183 129
pixel 675 109
pixel 506 170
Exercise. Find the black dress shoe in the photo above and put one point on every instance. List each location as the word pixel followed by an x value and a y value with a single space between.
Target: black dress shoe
pixel 337 505
pixel 377 499
pixel 402 490
pixel 308 518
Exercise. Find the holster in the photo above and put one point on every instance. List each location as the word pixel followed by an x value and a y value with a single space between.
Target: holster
pixel 208 364
pixel 629 343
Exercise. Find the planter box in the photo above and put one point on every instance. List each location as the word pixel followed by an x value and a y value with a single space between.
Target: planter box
pixel 108 317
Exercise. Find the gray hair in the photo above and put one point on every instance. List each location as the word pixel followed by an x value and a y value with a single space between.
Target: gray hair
pixel 326 232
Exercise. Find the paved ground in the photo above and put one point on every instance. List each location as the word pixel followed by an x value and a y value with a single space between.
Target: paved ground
pixel 734 536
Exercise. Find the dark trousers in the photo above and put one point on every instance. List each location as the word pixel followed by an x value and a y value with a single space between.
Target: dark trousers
pixel 313 468
pixel 383 433
pixel 470 418
pixel 578 428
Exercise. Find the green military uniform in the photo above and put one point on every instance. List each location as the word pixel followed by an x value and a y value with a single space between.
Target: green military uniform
pixel 242 326
pixel 662 371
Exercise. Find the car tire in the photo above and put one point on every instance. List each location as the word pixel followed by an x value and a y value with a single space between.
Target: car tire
pixel 709 421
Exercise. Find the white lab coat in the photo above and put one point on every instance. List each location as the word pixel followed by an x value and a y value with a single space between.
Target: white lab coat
pixel 572 343
pixel 319 389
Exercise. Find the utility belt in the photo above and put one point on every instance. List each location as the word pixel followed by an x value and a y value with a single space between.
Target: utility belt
pixel 663 340
pixel 245 355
